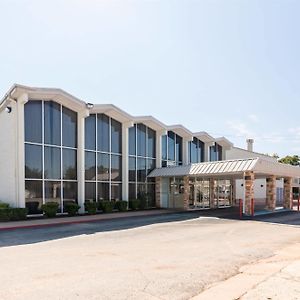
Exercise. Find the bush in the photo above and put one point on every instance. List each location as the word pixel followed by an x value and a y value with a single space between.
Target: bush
pixel 4 214
pixel 50 209
pixel 13 214
pixel 143 200
pixel 4 205
pixel 17 214
pixel 71 208
pixel 134 204
pixel 90 207
pixel 107 206
pixel 121 205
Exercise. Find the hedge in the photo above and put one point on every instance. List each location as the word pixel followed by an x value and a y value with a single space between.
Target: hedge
pixel 121 205
pixel 13 214
pixel 106 206
pixel 50 209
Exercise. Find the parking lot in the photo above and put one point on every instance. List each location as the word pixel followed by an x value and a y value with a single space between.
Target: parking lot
pixel 174 256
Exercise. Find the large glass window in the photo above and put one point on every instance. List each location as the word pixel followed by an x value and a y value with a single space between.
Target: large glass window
pixel 116 136
pixel 196 151
pixel 171 149
pixel 33 161
pixel 142 153
pixel 90 132
pixel 50 157
pixel 33 121
pixel 52 123
pixel 52 163
pixel 103 149
pixel 216 152
pixel 103 133
pixel 69 128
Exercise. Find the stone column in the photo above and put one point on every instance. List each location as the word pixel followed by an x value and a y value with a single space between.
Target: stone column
pixel 186 193
pixel 158 189
pixel 287 193
pixel 20 188
pixel 249 191
pixel 271 192
pixel 211 193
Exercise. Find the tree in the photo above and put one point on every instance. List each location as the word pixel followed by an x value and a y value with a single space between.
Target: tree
pixel 290 160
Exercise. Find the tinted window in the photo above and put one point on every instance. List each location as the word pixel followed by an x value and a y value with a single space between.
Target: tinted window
pixel 141 140
pixel 69 128
pixel 90 165
pixel 151 143
pixel 193 151
pixel 141 169
pixel 178 148
pixel 116 191
pixel 53 192
pixel 70 192
pixel 69 164
pixel 52 123
pixel 131 167
pixel 103 166
pixel 116 168
pixel 90 132
pixel 171 145
pixel 33 161
pixel 116 136
pixel 132 191
pixel 103 133
pixel 34 196
pixel 131 141
pixel 103 191
pixel 90 191
pixel 52 163
pixel 33 121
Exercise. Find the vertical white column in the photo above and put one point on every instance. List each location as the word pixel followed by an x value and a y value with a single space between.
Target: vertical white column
pixel 206 151
pixel 159 135
pixel 185 151
pixel 81 158
pixel 125 159
pixel 20 201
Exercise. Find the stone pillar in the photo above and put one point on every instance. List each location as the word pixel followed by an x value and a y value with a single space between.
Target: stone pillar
pixel 20 188
pixel 287 193
pixel 186 193
pixel 158 189
pixel 271 192
pixel 81 158
pixel 249 191
pixel 212 193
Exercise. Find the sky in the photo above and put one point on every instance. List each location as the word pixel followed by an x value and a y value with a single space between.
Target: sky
pixel 230 68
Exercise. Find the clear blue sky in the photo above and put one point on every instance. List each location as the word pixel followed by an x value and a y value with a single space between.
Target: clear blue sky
pixel 226 67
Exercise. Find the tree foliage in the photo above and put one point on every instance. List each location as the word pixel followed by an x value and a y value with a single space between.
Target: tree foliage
pixel 290 160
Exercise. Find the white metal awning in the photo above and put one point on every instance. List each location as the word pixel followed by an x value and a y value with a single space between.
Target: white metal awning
pixel 235 167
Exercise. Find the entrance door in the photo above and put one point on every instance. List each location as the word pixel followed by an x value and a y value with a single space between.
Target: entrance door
pixel 223 193
pixel 201 190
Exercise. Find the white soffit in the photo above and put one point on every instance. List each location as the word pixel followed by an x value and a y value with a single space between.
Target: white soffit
pixel 181 131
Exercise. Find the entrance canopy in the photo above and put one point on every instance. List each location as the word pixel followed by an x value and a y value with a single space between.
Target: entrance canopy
pixel 233 168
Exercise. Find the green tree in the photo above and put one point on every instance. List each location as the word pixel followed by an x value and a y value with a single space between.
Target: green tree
pixel 290 160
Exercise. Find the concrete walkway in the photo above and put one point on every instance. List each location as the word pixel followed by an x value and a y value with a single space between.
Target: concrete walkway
pixel 31 223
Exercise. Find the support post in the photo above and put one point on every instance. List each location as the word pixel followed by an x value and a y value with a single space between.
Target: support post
pixel 186 193
pixel 249 191
pixel 287 192
pixel 271 193
pixel 158 192
pixel 212 193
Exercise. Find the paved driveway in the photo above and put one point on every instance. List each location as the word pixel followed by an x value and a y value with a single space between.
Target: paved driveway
pixel 164 257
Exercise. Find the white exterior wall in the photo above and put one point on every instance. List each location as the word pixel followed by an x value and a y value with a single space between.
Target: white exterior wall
pixel 8 156
pixel 238 153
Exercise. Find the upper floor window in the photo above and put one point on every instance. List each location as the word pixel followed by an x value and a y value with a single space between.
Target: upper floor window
pixel 196 151
pixel 216 152
pixel 171 149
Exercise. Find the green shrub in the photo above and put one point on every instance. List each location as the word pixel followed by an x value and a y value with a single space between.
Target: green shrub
pixel 4 214
pixel 134 204
pixel 17 214
pixel 121 205
pixel 50 209
pixel 90 207
pixel 107 206
pixel 13 214
pixel 143 200
pixel 4 205
pixel 71 208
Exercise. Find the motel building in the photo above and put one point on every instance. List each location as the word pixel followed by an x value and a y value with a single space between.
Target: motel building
pixel 56 147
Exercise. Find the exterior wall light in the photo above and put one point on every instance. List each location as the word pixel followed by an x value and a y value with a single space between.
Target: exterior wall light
pixel 89 105
pixel 8 109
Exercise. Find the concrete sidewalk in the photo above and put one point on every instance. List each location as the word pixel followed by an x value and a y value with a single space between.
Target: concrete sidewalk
pixel 31 223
